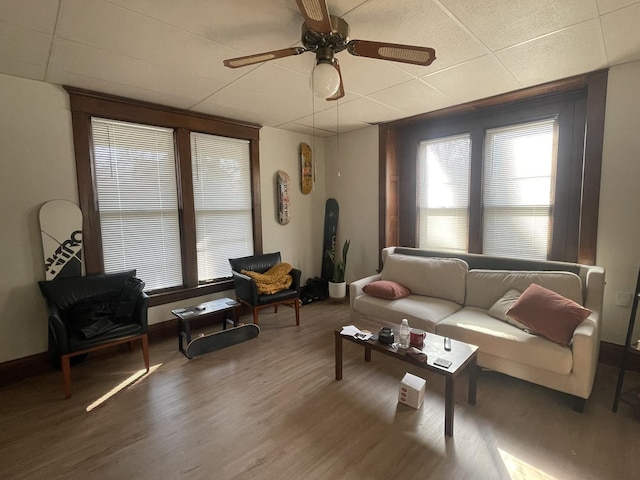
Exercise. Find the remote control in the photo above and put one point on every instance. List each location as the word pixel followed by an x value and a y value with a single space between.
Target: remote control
pixel 447 344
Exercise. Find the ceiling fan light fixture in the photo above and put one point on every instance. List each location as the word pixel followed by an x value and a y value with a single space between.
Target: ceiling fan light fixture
pixel 325 79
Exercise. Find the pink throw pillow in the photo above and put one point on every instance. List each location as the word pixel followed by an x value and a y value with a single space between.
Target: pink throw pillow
pixel 548 313
pixel 386 289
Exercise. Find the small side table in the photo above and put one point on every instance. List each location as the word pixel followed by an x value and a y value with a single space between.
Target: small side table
pixel 226 306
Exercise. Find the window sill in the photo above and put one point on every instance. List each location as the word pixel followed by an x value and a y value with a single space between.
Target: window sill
pixel 189 292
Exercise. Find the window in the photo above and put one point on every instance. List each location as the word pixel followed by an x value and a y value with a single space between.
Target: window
pixel 522 202
pixel 173 194
pixel 443 193
pixel 517 196
pixel 222 200
pixel 138 201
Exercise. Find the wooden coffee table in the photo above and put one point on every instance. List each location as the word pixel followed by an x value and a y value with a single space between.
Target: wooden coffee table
pixel 462 355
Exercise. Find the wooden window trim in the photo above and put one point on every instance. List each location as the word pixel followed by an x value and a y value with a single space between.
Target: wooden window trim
pixel 86 104
pixel 391 146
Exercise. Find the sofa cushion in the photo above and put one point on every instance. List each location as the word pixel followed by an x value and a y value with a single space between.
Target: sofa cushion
pixel 498 338
pixel 421 311
pixel 485 287
pixel 433 277
pixel 503 304
pixel 548 313
pixel 386 289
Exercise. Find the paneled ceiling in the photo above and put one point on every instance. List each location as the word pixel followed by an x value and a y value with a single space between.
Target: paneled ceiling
pixel 171 52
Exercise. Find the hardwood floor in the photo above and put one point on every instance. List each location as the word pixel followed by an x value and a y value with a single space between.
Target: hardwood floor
pixel 270 408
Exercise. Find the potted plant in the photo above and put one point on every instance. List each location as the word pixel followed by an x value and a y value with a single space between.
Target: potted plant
pixel 337 285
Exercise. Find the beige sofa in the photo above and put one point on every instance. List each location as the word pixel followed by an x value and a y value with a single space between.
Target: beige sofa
pixel 451 295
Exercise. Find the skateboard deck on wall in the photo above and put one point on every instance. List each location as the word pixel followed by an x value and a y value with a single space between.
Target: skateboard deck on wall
pixel 224 338
pixel 329 239
pixel 306 165
pixel 282 185
pixel 61 228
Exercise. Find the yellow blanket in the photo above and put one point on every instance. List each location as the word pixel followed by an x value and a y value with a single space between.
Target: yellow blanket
pixel 273 280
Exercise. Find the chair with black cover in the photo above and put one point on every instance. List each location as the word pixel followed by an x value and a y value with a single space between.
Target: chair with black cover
pixel 247 290
pixel 94 312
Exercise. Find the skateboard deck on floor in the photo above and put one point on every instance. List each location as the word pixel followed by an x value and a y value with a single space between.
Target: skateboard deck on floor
pixel 306 165
pixel 224 338
pixel 283 197
pixel 329 239
pixel 61 228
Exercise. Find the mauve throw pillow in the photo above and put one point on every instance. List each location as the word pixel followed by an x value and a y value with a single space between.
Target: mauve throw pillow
pixel 386 289
pixel 548 313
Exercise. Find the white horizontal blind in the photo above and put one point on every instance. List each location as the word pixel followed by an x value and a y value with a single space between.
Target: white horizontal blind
pixel 222 198
pixel 443 193
pixel 137 200
pixel 517 198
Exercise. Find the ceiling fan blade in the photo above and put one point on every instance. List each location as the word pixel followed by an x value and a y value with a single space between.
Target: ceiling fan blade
pixel 340 93
pixel 262 57
pixel 316 15
pixel 392 51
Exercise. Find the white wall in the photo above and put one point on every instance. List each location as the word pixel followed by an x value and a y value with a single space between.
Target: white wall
pixel 352 179
pixel 300 241
pixel 618 223
pixel 38 165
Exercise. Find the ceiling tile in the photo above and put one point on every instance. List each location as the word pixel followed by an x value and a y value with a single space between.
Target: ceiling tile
pixel 606 6
pixel 117 69
pixel 534 62
pixel 39 15
pixel 620 30
pixel 95 23
pixel 366 75
pixel 478 78
pixel 240 24
pixel 503 23
pixel 23 52
pixel 276 90
pixel 414 97
pixel 297 127
pixel 350 116
pixel 415 22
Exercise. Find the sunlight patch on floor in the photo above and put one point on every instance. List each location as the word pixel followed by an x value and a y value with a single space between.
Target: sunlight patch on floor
pixel 126 383
pixel 519 470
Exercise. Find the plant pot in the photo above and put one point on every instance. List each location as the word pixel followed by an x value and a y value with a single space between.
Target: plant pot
pixel 337 291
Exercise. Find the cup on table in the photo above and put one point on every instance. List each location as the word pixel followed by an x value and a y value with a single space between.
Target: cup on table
pixel 416 337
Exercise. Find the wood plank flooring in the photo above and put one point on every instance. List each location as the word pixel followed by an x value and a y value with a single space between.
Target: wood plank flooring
pixel 270 408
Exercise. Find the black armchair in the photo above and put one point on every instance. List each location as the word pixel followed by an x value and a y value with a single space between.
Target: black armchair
pixel 94 312
pixel 247 290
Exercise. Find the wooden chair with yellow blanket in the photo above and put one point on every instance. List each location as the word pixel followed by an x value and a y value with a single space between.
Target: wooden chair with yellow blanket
pixel 262 281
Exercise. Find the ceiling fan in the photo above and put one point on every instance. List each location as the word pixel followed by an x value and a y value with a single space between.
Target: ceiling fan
pixel 326 35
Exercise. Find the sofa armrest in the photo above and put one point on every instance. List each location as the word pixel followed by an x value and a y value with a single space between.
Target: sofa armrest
pixel 586 349
pixel 594 292
pixel 355 288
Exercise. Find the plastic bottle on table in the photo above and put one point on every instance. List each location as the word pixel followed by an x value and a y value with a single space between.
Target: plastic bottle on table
pixel 405 332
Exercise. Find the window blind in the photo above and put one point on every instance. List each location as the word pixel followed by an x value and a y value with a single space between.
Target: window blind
pixel 222 199
pixel 519 162
pixel 137 200
pixel 443 193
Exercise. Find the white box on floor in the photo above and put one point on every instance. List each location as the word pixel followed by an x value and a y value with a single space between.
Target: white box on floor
pixel 412 390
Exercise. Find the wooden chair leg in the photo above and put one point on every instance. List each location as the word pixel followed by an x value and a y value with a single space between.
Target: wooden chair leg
pixel 145 350
pixel 297 307
pixel 255 315
pixel 66 375
pixel 275 308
